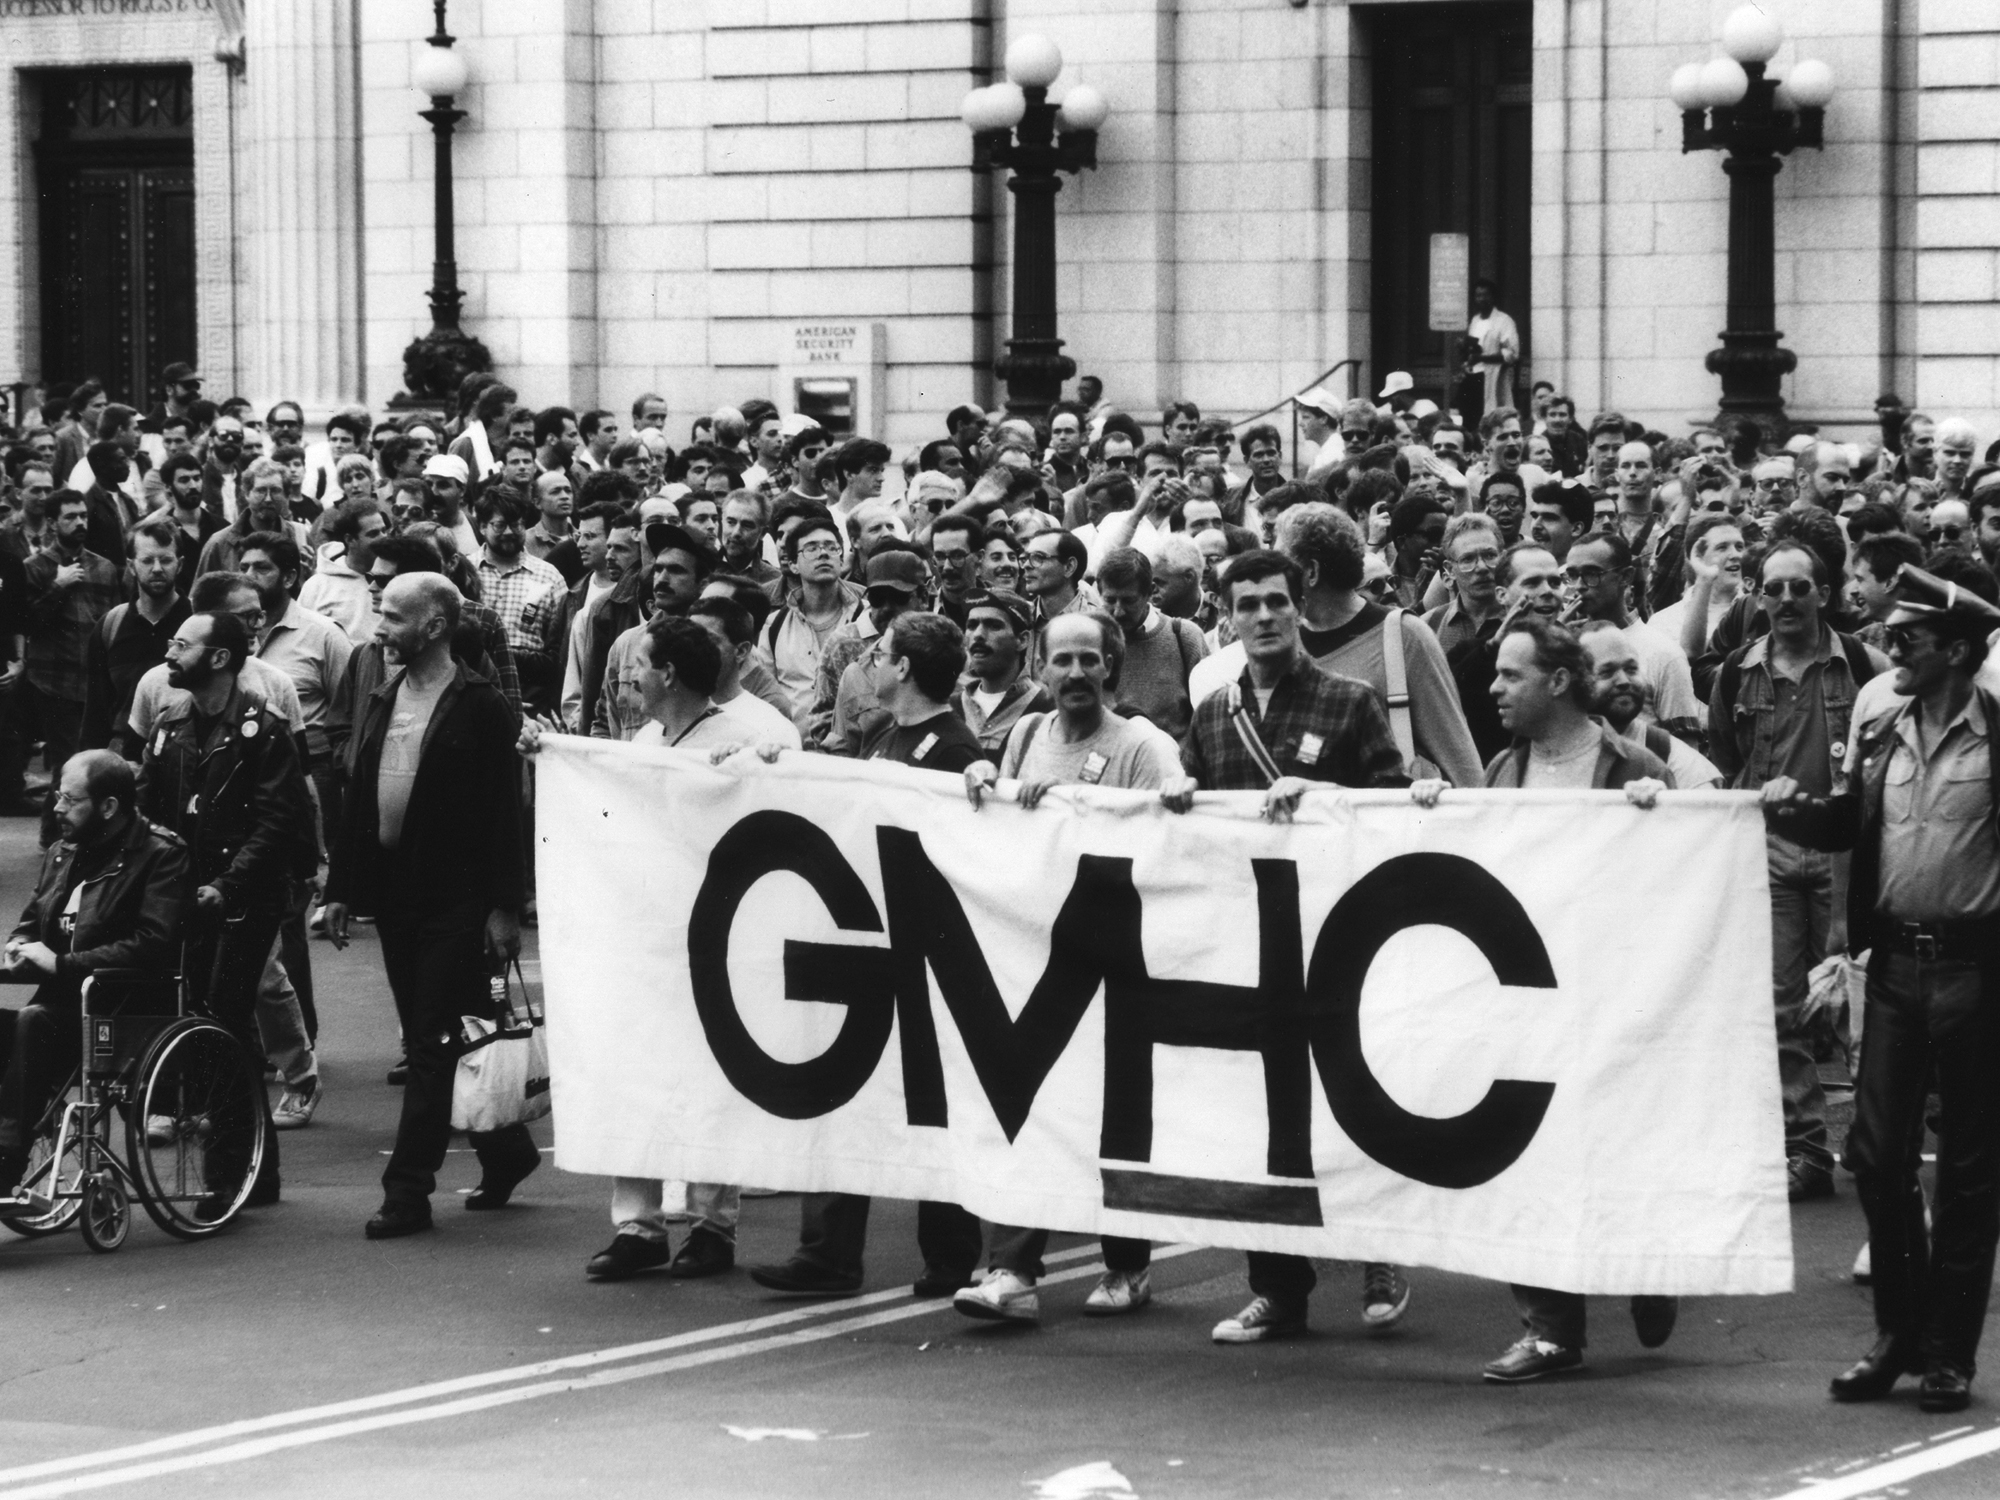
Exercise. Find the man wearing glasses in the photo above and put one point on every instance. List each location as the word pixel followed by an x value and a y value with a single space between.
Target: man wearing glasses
pixel 1472 548
pixel 1596 575
pixel 1781 708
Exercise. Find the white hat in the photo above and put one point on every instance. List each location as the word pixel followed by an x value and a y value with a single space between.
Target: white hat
pixel 1423 408
pixel 1399 380
pixel 795 424
pixel 1320 399
pixel 447 466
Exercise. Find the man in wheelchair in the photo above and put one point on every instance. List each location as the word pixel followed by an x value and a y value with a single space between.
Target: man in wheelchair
pixel 110 896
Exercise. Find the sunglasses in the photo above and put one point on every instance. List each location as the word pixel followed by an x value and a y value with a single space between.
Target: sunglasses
pixel 1780 588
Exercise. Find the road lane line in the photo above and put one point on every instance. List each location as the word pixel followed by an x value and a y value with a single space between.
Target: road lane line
pixel 1900 1470
pixel 279 1442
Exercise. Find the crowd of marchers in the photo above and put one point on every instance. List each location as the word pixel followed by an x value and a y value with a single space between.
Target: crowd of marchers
pixel 313 669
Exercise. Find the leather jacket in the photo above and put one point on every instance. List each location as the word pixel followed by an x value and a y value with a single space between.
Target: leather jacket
pixel 238 797
pixel 130 896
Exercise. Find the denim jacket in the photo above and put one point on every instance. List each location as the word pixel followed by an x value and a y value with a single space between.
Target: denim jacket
pixel 1743 733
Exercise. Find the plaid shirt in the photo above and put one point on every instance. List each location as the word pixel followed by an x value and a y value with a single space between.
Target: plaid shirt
pixel 528 597
pixel 59 621
pixel 1318 726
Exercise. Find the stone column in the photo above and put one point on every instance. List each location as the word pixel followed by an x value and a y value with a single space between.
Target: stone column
pixel 301 182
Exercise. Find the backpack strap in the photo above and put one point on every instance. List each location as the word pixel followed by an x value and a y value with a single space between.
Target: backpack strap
pixel 1859 666
pixel 1397 683
pixel 1732 678
pixel 1660 743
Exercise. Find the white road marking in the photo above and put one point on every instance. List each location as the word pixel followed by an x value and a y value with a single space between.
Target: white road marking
pixel 76 1482
pixel 1939 1455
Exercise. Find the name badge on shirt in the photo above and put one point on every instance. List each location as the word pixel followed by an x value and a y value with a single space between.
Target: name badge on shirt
pixel 924 746
pixel 1094 767
pixel 1310 746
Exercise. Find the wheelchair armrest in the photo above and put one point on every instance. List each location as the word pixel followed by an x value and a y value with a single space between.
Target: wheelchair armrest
pixel 110 991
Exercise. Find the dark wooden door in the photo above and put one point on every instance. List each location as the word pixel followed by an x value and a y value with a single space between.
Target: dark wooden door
pixel 115 163
pixel 1453 86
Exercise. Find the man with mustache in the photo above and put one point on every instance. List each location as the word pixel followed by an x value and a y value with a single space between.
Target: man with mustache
pixel 1595 577
pixel 1782 707
pixel 995 695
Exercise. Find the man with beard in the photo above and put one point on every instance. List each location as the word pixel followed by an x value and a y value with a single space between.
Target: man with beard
pixel 68 590
pixel 1595 578
pixel 1782 707
pixel 445 484
pixel 132 638
pixel 222 771
pixel 431 845
pixel 680 564
pixel 222 470
pixel 110 896
pixel 1618 697
pixel 264 507
pixel 995 695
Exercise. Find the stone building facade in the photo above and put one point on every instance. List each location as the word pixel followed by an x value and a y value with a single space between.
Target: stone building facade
pixel 651 193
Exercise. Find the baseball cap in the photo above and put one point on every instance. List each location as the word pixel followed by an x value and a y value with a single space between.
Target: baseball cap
pixel 447 466
pixel 1422 408
pixel 1399 380
pixel 795 424
pixel 665 536
pixel 900 572
pixel 1320 399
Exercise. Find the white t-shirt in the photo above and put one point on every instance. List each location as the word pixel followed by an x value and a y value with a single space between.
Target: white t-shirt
pixel 768 725
pixel 153 695
pixel 1664 666
pixel 718 731
pixel 402 749
pixel 1123 753
pixel 1575 771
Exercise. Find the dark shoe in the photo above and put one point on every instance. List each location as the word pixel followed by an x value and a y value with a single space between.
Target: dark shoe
pixel 264 1194
pixel 1805 1181
pixel 1653 1319
pixel 497 1186
pixel 703 1253
pixel 626 1256
pixel 1874 1375
pixel 400 1074
pixel 12 1164
pixel 1530 1358
pixel 936 1283
pixel 799 1277
pixel 1946 1388
pixel 394 1220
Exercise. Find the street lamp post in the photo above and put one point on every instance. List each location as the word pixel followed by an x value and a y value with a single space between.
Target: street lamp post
pixel 1014 126
pixel 1729 104
pixel 434 365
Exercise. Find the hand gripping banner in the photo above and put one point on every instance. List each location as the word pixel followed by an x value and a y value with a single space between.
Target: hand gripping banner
pixel 1521 1035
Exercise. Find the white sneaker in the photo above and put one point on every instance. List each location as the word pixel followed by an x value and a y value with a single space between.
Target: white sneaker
pixel 1119 1292
pixel 1864 1268
pixel 1262 1319
pixel 295 1110
pixel 1001 1297
pixel 1385 1296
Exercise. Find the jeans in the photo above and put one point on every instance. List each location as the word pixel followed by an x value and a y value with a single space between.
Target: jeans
pixel 1925 1016
pixel 1802 883
pixel 39 1047
pixel 1012 1248
pixel 638 1206
pixel 1286 1279
pixel 281 1026
pixel 1557 1317
pixel 833 1229
pixel 438 972
pixel 225 964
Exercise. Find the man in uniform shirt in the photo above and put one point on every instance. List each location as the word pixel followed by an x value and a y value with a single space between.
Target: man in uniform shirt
pixel 1918 810
pixel 915 669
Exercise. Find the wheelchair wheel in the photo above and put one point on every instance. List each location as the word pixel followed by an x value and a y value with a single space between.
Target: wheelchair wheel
pixel 195 1132
pixel 59 1183
pixel 107 1214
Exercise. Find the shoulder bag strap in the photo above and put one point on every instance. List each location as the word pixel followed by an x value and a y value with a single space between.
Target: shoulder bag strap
pixel 1246 731
pixel 1397 675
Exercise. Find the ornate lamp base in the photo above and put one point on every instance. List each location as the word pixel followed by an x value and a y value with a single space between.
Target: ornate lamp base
pixel 434 365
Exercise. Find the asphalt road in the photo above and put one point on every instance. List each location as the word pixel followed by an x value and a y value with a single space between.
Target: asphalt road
pixel 291 1356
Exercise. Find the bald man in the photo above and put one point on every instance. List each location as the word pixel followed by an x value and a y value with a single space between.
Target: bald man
pixel 431 845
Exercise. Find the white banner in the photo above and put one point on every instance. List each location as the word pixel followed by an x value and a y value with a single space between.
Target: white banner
pixel 1523 1035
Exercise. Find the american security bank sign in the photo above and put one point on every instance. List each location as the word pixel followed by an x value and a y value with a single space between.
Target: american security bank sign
pixel 1524 1036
